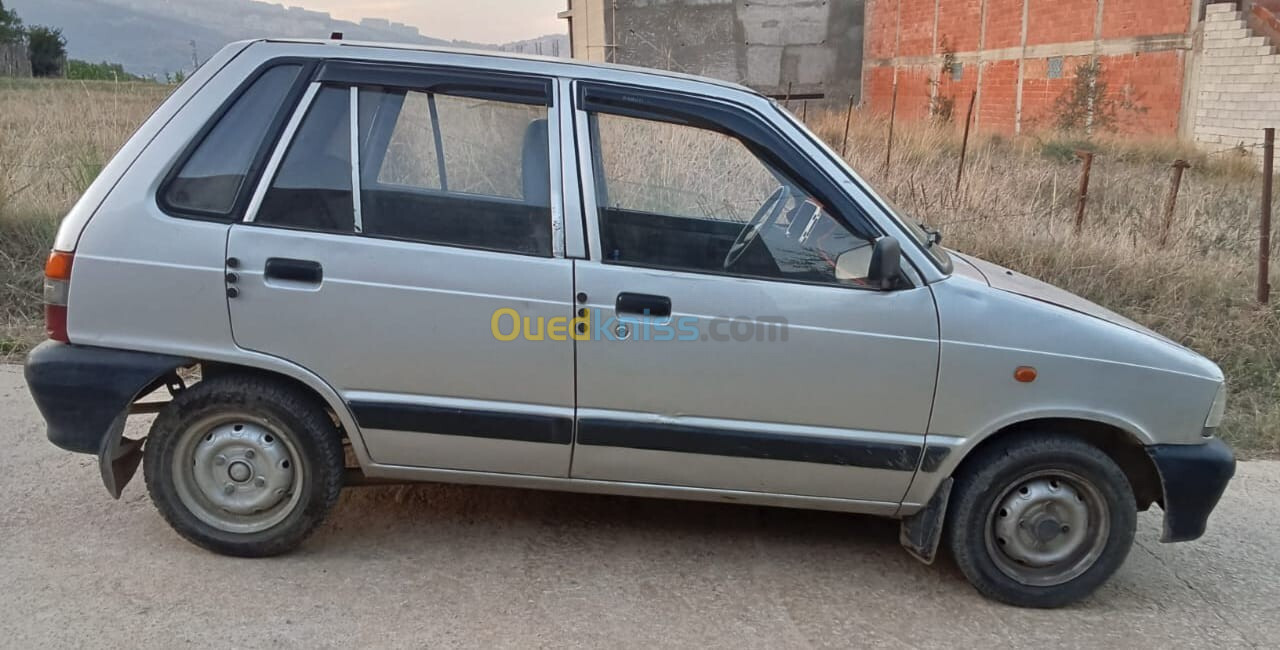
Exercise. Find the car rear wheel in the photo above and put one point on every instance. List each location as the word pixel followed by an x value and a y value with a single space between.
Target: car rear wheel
pixel 1040 520
pixel 244 465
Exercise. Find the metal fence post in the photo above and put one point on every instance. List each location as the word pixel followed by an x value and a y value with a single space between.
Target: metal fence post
pixel 964 144
pixel 1171 202
pixel 893 110
pixel 848 117
pixel 1264 238
pixel 1087 157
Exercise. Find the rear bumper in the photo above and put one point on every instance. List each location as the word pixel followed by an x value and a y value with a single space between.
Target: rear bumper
pixel 1193 478
pixel 84 394
pixel 82 390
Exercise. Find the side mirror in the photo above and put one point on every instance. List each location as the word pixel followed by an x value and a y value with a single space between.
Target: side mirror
pixel 886 263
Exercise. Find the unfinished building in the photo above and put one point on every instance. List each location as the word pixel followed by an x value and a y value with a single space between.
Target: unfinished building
pixel 805 48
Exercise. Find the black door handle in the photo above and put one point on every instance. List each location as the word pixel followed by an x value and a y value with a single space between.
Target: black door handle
pixel 283 268
pixel 643 304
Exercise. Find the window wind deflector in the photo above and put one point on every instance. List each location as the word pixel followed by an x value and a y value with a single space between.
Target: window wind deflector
pixel 498 86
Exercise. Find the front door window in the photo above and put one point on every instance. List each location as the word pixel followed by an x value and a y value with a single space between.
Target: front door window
pixel 685 198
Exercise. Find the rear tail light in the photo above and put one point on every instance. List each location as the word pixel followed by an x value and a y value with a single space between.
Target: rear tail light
pixel 57 284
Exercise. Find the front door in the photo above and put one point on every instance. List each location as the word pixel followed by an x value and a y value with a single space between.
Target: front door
pixel 735 342
pixel 400 218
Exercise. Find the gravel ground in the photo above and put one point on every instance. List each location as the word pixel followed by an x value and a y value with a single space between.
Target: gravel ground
pixel 432 566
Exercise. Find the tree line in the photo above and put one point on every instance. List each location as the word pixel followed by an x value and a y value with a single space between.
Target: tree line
pixel 47 50
pixel 46 47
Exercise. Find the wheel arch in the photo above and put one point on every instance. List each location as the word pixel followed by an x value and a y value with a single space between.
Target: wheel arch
pixel 1124 444
pixel 301 378
pixel 923 526
pixel 1125 447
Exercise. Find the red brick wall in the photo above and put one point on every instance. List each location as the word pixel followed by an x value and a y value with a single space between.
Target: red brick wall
pixel 959 25
pixel 960 91
pixel 877 88
pixel 1004 24
pixel 1040 93
pixel 1150 82
pixel 1061 21
pixel 881 28
pixel 998 106
pixel 1142 17
pixel 914 92
pixel 1145 80
pixel 916 36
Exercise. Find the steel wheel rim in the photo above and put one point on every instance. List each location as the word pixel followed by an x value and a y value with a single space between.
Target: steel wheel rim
pixel 238 473
pixel 1048 528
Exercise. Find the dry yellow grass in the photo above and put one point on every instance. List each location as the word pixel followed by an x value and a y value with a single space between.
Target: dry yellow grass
pixel 1015 208
pixel 55 136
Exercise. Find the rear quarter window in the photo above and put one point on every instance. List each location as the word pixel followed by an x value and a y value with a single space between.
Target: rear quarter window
pixel 213 176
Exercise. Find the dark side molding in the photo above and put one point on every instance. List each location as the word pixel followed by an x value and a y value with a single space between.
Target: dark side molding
pixel 526 427
pixel 448 421
pixel 1194 478
pixel 748 444
pixel 84 394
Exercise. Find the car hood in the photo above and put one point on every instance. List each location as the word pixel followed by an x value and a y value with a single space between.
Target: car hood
pixel 999 277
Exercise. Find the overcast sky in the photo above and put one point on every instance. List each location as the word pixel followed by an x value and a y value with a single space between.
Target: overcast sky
pixel 483 21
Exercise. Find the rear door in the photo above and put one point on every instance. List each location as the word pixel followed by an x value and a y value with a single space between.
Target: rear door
pixel 735 342
pixel 404 208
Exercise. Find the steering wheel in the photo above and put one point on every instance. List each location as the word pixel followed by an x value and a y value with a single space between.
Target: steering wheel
pixel 768 213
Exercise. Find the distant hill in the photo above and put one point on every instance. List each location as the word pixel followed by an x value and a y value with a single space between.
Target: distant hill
pixel 549 45
pixel 159 37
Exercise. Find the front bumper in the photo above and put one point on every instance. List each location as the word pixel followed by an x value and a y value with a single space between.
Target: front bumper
pixel 1193 478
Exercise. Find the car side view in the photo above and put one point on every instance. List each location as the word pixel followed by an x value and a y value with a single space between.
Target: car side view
pixel 325 262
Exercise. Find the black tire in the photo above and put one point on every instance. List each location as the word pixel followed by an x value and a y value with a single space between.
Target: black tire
pixel 990 478
pixel 297 419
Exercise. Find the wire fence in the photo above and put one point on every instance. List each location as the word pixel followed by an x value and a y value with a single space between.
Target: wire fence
pixel 1262 151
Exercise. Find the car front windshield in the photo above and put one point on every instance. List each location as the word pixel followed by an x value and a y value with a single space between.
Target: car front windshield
pixel 927 241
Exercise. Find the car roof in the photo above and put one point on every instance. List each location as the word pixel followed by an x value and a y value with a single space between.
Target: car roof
pixel 554 65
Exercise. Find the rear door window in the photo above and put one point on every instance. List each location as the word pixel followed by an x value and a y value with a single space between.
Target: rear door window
pixel 312 188
pixel 453 170
pixel 213 177
pixel 459 162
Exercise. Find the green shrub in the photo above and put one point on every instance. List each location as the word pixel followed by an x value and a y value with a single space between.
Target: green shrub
pixel 85 71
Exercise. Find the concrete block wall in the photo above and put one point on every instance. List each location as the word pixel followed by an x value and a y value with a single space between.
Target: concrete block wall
pixel 1005 49
pixel 1238 93
pixel 811 47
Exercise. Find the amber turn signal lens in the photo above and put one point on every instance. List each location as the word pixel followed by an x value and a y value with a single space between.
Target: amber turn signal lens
pixel 1025 374
pixel 58 267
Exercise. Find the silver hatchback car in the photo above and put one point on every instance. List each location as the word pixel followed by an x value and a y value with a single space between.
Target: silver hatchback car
pixel 345 262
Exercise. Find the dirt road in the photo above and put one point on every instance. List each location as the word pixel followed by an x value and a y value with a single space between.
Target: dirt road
pixel 432 566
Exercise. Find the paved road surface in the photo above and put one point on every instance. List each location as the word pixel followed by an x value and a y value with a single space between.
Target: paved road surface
pixel 444 566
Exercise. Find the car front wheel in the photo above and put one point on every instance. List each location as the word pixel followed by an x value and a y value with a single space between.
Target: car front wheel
pixel 1040 520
